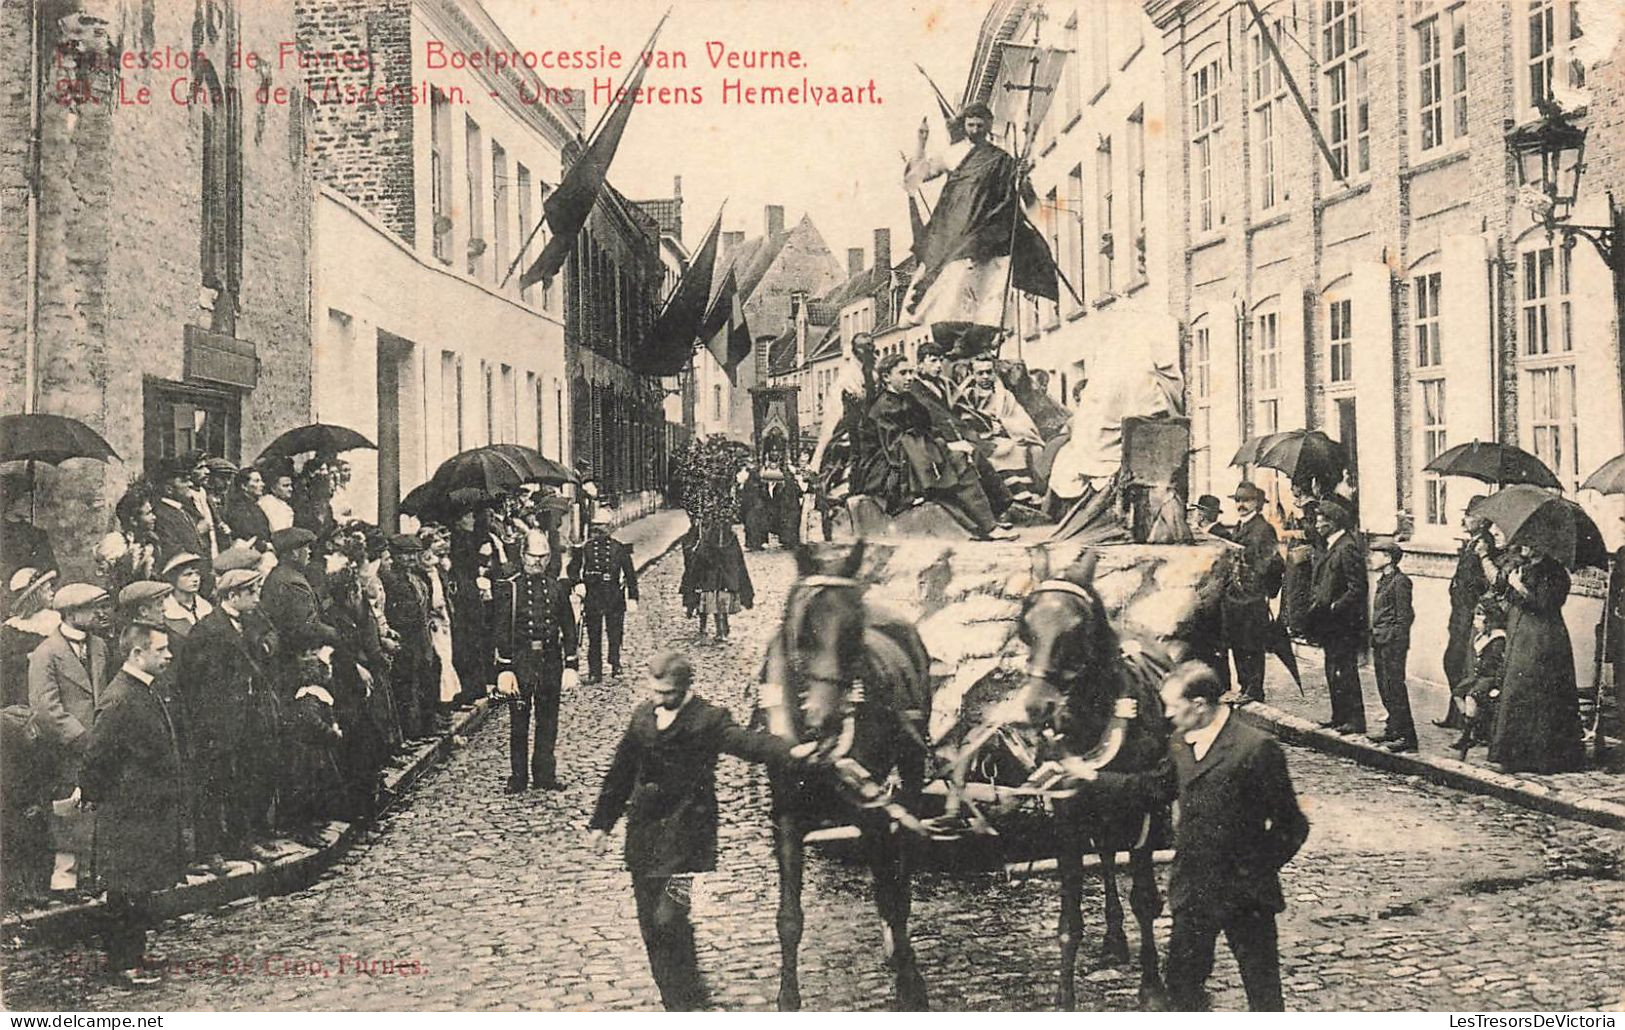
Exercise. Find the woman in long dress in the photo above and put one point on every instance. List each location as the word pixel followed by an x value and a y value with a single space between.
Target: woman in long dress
pixel 1537 725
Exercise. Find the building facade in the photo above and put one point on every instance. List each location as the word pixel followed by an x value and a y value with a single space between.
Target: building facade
pixel 153 245
pixel 423 339
pixel 1389 290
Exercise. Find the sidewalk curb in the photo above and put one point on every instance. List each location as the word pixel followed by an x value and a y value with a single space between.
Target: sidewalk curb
pixel 1444 771
pixel 283 875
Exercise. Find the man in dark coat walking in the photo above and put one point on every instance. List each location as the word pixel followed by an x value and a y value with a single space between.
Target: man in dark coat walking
pixel 1337 616
pixel 133 775
pixel 607 583
pixel 535 635
pixel 663 777
pixel 1239 823
pixel 1391 618
pixel 1256 576
pixel 1467 586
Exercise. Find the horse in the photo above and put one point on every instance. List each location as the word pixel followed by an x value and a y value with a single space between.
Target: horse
pixel 1083 694
pixel 852 681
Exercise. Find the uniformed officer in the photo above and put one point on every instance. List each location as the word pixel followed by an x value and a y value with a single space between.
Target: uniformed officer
pixel 603 573
pixel 535 636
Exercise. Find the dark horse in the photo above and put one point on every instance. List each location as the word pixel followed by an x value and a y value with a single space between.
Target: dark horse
pixel 852 683
pixel 1085 698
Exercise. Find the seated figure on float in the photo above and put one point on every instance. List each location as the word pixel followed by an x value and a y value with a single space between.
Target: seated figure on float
pixel 1002 430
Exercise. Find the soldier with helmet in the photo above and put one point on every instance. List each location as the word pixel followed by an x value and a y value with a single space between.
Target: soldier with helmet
pixel 534 630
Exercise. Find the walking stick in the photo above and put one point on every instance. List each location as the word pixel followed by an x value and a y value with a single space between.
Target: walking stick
pixel 1598 750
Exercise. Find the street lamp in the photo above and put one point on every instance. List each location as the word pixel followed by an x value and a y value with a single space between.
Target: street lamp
pixel 1550 155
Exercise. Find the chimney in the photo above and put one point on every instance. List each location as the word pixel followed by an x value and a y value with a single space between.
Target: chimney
pixel 677 187
pixel 730 240
pixel 883 249
pixel 775 219
pixel 854 260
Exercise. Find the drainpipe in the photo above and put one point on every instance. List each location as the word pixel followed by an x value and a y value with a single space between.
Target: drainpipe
pixel 35 119
pixel 1492 267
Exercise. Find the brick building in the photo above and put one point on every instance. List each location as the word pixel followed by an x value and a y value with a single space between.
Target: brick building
pixel 153 255
pixel 1402 300
pixel 422 339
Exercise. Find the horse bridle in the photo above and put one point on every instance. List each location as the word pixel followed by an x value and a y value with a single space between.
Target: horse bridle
pixel 1056 677
pixel 821 580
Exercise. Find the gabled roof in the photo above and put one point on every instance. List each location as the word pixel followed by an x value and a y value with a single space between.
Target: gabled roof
pixel 781 354
pixel 667 213
pixel 828 347
pixel 751 259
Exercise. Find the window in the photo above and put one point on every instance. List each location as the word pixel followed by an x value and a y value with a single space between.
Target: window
pixel 1103 216
pixel 451 401
pixel 1441 69
pixel 1348 105
pixel 716 403
pixel 177 418
pixel 440 173
pixel 1553 422
pixel 476 198
pixel 1136 188
pixel 1052 235
pixel 1205 127
pixel 487 378
pixel 1070 87
pixel 1541 307
pixel 507 408
pixel 533 390
pixel 522 188
pixel 499 212
pixel 1100 55
pixel 1425 312
pixel 1074 224
pixel 1341 342
pixel 1550 34
pixel 558 420
pixel 1202 393
pixel 1269 100
pixel 1267 344
pixel 541 241
pixel 1433 445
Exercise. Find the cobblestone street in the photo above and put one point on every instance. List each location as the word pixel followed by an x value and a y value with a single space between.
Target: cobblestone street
pixel 1406 896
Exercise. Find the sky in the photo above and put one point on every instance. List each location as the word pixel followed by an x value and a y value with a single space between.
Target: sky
pixel 841 164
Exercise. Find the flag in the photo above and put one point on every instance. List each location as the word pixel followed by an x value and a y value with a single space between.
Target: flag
pixel 670 341
pixel 1037 66
pixel 956 132
pixel 916 226
pixel 724 329
pixel 565 210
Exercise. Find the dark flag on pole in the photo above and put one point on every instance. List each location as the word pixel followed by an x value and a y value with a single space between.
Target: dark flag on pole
pixel 670 341
pixel 724 330
pixel 916 225
pixel 565 210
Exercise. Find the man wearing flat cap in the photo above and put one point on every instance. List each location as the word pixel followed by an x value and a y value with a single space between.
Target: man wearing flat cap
pixel 1391 618
pixel 603 569
pixel 142 601
pixel 289 600
pixel 219 674
pixel 1337 615
pixel 66 674
pixel 416 669
pixel 1255 577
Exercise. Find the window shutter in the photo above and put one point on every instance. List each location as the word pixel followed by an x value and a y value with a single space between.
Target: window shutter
pixel 1466 345
pixel 1373 316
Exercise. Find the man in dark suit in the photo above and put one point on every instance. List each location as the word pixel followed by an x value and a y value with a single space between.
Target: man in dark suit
pixel 935 393
pixel 416 668
pixel 1337 615
pixel 1391 618
pixel 288 599
pixel 179 526
pixel 608 585
pixel 535 635
pixel 663 777
pixel 133 775
pixel 1239 823
pixel 217 676
pixel 1255 577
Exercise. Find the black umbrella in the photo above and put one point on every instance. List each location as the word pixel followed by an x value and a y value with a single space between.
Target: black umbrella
pixel 538 467
pixel 1610 479
pixel 319 438
pixel 483 468
pixel 1544 522
pixel 1498 463
pixel 1302 453
pixel 1251 448
pixel 430 502
pixel 50 438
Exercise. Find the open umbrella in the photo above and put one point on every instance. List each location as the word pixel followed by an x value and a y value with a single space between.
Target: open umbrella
pixel 1493 462
pixel 482 468
pixel 1251 448
pixel 1610 479
pixel 319 438
pixel 1544 522
pixel 1302 453
pixel 50 438
pixel 432 502
pixel 538 467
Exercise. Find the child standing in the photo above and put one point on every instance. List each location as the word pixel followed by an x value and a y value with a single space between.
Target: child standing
pixel 663 777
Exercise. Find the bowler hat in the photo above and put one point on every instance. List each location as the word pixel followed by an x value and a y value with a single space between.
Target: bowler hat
pixel 285 541
pixel 1338 512
pixel 235 579
pixel 1247 491
pixel 1207 503
pixel 78 595
pixel 142 591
